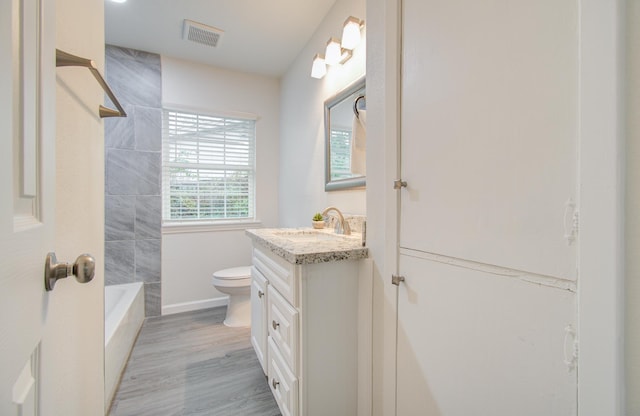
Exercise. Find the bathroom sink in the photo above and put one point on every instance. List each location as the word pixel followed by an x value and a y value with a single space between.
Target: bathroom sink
pixel 307 236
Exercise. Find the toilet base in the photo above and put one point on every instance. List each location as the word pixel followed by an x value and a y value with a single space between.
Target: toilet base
pixel 238 311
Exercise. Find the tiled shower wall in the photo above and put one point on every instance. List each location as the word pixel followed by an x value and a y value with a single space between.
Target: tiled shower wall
pixel 133 171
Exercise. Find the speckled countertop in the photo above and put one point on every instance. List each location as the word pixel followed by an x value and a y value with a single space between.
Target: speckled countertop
pixel 307 246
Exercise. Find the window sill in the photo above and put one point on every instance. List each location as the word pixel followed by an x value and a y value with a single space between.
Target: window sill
pixel 200 227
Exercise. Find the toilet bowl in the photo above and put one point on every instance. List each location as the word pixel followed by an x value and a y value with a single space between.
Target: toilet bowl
pixel 235 282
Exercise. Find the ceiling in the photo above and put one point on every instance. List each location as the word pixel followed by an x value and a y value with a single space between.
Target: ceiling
pixel 260 36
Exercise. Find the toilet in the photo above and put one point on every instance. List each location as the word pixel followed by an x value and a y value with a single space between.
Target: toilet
pixel 235 282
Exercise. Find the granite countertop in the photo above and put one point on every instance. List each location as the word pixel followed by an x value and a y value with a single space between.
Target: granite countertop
pixel 308 246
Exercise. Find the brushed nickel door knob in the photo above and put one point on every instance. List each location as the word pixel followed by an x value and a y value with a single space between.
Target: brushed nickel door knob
pixel 84 269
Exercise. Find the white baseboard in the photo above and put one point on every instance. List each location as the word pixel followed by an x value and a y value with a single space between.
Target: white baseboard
pixel 194 305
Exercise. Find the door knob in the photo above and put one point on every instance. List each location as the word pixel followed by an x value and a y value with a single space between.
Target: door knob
pixel 83 269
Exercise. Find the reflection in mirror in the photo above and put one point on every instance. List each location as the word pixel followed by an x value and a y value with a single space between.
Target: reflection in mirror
pixel 345 138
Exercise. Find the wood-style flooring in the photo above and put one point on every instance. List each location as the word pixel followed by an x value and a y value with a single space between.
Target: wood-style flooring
pixel 191 364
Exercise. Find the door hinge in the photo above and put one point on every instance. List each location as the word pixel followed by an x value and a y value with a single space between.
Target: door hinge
pixel 571 221
pixel 399 183
pixel 396 279
pixel 571 346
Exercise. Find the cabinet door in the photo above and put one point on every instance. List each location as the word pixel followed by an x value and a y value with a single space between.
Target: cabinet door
pixel 473 343
pixel 489 131
pixel 259 316
pixel 489 122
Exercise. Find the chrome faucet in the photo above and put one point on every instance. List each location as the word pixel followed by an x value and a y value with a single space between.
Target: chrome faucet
pixel 342 227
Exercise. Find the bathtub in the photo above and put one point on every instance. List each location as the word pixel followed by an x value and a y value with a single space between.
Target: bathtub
pixel 123 316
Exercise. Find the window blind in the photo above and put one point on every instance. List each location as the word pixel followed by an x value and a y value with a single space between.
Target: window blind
pixel 208 167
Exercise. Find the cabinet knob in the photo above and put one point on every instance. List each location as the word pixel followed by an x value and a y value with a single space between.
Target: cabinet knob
pixel 275 324
pixel 260 293
pixel 275 383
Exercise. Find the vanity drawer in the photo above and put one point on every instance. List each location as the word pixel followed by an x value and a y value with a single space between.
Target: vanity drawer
pixel 279 272
pixel 283 327
pixel 283 383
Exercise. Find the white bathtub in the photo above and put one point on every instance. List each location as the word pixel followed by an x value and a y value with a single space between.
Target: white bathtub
pixel 123 316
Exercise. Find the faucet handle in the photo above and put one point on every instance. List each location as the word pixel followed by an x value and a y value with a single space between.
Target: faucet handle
pixel 347 228
pixel 342 227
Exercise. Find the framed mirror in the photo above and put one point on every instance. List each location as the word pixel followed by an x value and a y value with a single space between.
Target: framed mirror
pixel 345 138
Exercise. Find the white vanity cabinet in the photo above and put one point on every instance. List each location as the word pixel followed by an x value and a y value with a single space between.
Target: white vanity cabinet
pixel 312 336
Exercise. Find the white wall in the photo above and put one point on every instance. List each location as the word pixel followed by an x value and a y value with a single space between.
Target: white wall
pixel 190 257
pixel 632 362
pixel 382 167
pixel 302 124
pixel 601 202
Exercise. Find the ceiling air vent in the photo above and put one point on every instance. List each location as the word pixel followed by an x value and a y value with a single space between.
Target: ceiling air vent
pixel 201 33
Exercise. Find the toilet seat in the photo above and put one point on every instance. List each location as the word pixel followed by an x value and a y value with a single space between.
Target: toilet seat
pixel 233 273
pixel 233 277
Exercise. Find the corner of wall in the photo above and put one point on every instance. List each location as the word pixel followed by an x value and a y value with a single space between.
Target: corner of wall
pixel 632 238
pixel 133 148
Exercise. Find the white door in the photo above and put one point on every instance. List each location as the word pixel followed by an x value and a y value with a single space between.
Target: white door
pixel 489 139
pixel 51 344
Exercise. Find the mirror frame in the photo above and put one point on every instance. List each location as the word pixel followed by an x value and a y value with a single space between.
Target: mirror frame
pixel 348 183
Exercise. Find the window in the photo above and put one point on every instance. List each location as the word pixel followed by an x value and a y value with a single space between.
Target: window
pixel 208 167
pixel 340 153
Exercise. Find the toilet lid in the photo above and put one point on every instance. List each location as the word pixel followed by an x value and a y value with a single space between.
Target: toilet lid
pixel 233 273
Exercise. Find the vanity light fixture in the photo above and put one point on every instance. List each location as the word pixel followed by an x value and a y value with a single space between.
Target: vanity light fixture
pixel 319 68
pixel 118 1
pixel 338 52
pixel 351 32
pixel 333 52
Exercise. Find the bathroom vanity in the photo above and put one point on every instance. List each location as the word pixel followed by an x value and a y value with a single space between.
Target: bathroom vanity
pixel 304 330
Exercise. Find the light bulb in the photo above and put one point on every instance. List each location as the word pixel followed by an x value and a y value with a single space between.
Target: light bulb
pixel 351 33
pixel 333 52
pixel 319 68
